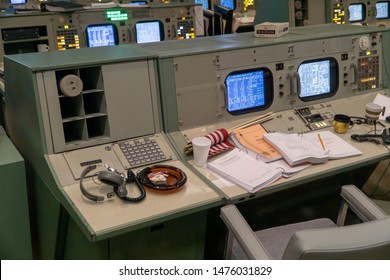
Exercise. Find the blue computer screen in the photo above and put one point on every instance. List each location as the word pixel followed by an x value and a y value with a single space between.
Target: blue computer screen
pixel 139 2
pixel 102 35
pixel 17 2
pixel 382 10
pixel 357 12
pixel 318 78
pixel 148 31
pixel 205 3
pixel 230 4
pixel 245 90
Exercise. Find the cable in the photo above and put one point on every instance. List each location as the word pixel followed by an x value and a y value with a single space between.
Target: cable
pixel 359 120
pixel 131 178
pixel 367 138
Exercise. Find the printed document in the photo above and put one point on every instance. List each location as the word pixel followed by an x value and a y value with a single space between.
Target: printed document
pixel 244 170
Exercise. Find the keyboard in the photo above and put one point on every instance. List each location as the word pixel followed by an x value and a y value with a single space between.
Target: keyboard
pixel 142 151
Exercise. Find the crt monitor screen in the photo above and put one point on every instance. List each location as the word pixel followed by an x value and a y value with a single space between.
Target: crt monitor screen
pixel 17 2
pixel 149 31
pixel 318 79
pixel 205 3
pixel 249 90
pixel 357 12
pixel 101 35
pixel 230 4
pixel 139 2
pixel 382 10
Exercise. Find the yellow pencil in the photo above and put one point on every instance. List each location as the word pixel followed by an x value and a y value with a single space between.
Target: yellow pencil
pixel 322 142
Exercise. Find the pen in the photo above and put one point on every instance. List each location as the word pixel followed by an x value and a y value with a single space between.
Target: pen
pixel 322 143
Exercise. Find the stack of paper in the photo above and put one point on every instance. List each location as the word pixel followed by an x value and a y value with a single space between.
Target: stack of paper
pixel 245 171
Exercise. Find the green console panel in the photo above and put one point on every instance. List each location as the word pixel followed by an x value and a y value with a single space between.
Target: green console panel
pixel 81 108
pixel 15 238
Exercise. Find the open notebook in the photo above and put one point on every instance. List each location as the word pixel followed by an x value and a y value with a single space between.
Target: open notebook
pixel 312 147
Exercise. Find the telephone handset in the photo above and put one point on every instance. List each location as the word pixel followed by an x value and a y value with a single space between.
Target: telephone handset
pixel 113 178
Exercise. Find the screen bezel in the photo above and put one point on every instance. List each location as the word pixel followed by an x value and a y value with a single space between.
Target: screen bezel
pixel 333 79
pixel 388 9
pixel 268 91
pixel 363 5
pixel 114 28
pixel 161 28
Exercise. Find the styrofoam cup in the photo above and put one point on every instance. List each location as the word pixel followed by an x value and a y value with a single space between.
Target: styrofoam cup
pixel 201 147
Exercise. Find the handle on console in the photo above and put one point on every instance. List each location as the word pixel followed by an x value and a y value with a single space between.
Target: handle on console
pixel 354 71
pixel 298 83
pixel 291 82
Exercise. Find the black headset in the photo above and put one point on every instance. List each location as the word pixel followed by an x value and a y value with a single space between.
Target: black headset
pixel 86 193
pixel 113 178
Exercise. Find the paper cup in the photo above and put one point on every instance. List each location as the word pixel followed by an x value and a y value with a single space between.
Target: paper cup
pixel 201 147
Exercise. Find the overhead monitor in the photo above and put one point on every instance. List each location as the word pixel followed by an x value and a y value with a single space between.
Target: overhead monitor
pixel 101 35
pixel 357 12
pixel 205 3
pixel 382 9
pixel 149 31
pixel 18 2
pixel 230 4
pixel 318 79
pixel 249 90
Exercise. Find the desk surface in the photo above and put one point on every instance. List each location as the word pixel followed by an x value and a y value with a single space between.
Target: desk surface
pixel 110 217
pixel 371 152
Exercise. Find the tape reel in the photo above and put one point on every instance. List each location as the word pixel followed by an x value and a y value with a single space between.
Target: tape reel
pixel 71 85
